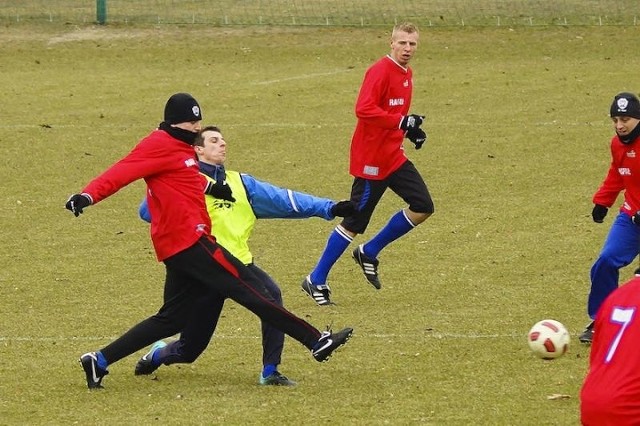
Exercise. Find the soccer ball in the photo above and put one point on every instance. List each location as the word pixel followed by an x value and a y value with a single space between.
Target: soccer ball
pixel 548 339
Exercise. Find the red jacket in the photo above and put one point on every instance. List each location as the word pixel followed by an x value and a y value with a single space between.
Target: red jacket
pixel 385 96
pixel 174 190
pixel 624 174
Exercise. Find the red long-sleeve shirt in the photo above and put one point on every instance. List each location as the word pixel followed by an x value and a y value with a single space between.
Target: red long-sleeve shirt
pixel 623 174
pixel 610 394
pixel 174 190
pixel 384 98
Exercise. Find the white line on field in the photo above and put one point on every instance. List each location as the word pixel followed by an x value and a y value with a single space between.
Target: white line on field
pixel 228 336
pixel 252 125
pixel 302 77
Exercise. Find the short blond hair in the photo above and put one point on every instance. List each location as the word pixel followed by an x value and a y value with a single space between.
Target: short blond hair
pixel 406 27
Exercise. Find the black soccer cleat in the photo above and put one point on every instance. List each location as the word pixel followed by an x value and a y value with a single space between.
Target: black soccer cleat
pixel 329 342
pixel 276 379
pixel 145 365
pixel 587 335
pixel 319 293
pixel 89 362
pixel 369 266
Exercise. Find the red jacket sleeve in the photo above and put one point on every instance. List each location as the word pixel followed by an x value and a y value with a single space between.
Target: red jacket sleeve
pixel 141 162
pixel 372 91
pixel 610 189
pixel 613 183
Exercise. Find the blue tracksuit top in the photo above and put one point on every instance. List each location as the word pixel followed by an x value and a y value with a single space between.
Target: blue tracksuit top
pixel 268 201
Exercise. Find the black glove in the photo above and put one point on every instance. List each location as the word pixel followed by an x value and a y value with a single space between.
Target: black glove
pixel 344 209
pixel 599 212
pixel 417 136
pixel 411 121
pixel 219 190
pixel 76 203
pixel 636 218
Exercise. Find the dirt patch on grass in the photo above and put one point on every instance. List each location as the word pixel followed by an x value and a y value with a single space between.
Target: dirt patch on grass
pixel 56 34
pixel 99 33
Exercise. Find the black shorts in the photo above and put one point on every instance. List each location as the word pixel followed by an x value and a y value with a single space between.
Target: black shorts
pixel 406 182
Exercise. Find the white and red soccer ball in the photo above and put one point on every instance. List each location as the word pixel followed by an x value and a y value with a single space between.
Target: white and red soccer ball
pixel 548 339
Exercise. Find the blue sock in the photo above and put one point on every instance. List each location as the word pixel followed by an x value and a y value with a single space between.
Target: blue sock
pixel 398 225
pixel 159 350
pixel 155 358
pixel 268 370
pixel 102 361
pixel 336 245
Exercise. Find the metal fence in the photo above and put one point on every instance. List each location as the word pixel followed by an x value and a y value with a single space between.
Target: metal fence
pixel 325 12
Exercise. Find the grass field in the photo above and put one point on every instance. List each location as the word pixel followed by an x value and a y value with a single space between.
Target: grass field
pixel 519 130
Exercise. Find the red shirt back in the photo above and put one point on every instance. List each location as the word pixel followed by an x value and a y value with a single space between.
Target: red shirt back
pixel 174 190
pixel 384 98
pixel 611 390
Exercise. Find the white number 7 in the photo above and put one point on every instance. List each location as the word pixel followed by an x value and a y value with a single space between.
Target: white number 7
pixel 619 316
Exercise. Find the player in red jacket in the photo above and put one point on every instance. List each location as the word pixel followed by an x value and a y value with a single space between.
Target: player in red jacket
pixel 623 242
pixel 378 162
pixel 610 394
pixel 200 274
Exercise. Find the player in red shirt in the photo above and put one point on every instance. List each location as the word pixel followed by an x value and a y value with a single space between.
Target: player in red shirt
pixel 610 394
pixel 623 242
pixel 378 162
pixel 200 274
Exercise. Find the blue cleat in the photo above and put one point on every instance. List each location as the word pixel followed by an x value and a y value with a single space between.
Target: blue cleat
pixel 145 365
pixel 89 362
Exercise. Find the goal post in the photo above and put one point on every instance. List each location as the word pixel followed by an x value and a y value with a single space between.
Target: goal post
pixel 101 11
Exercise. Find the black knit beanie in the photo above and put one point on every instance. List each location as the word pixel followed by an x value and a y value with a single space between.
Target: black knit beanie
pixel 181 108
pixel 625 104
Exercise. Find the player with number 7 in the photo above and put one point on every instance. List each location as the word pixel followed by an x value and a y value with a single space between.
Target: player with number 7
pixel 610 394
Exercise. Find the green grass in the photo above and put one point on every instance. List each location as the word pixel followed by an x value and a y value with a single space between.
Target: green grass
pixel 518 143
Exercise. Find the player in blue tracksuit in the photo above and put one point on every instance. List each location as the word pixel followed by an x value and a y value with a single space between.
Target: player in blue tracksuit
pixel 233 221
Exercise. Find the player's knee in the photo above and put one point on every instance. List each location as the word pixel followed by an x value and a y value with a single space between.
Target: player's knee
pixel 354 228
pixel 423 207
pixel 276 293
pixel 608 260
